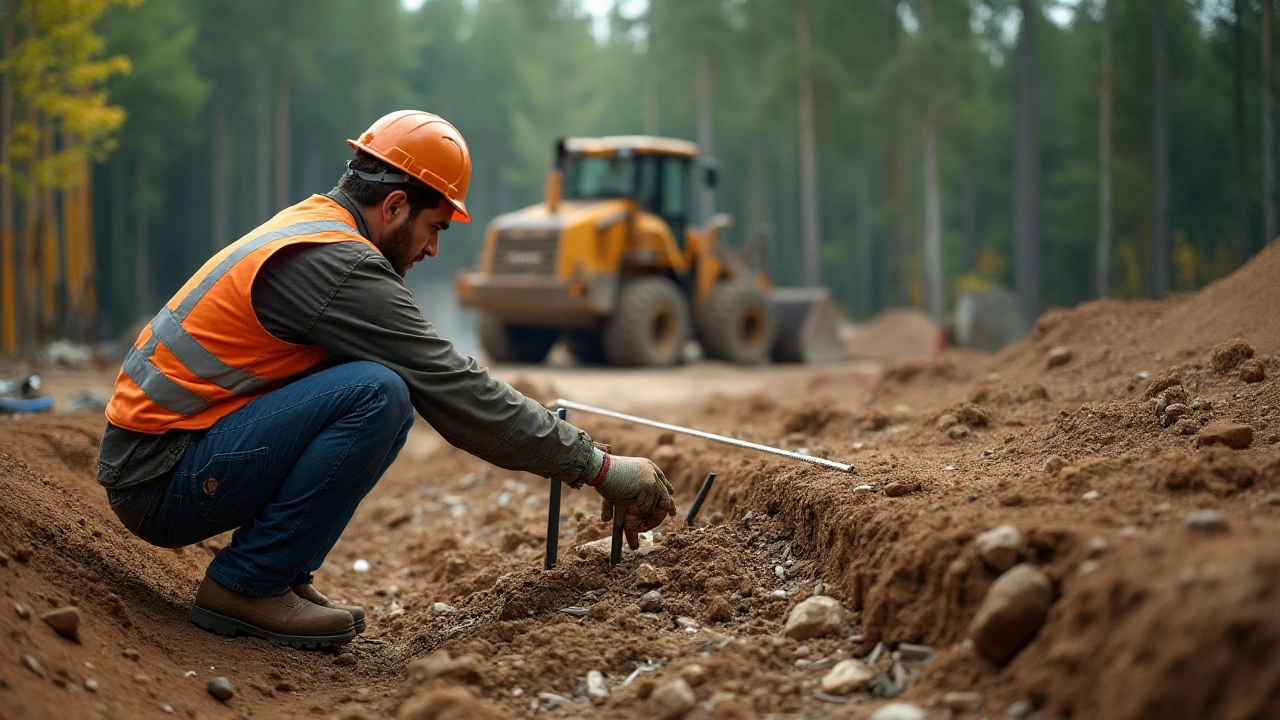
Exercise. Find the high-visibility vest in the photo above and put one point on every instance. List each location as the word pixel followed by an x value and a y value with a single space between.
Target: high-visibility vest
pixel 205 355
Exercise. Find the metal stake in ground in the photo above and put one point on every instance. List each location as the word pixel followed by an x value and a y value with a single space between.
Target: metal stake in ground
pixel 615 549
pixel 697 501
pixel 562 403
pixel 553 518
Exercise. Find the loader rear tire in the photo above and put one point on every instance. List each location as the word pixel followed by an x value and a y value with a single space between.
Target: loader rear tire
pixel 737 323
pixel 587 346
pixel 505 343
pixel 650 326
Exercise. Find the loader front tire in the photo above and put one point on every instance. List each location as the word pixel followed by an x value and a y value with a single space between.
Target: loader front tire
pixel 650 325
pixel 737 323
pixel 505 343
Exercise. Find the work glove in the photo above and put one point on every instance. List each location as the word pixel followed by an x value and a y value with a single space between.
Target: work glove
pixel 635 486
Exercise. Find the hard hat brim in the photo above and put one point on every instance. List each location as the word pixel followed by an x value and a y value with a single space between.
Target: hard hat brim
pixel 460 213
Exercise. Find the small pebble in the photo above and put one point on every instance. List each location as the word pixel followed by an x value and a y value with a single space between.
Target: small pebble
pixel 221 688
pixel 780 572
pixel 1059 356
pixel 360 566
pixel 65 620
pixel 596 689
pixel 673 698
pixel 33 664
pixel 963 701
pixel 1237 436
pixel 190 673
pixel 167 708
pixel 815 616
pixel 1091 496
pixel 912 651
pixel 899 489
pixel 4 559
pixel 1089 567
pixel 898 711
pixel 1018 710
pixel 847 676
pixel 1099 546
pixel 574 611
pixel 687 623
pixel 651 602
pixel 23 611
pixel 91 685
pixel 1273 499
pixel 1000 547
pixel 440 608
pixel 345 660
pixel 1206 521
pixel 131 654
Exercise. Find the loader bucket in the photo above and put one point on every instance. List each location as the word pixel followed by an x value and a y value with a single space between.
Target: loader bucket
pixel 808 326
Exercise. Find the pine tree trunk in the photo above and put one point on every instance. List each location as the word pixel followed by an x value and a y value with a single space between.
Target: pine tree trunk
pixel 8 254
pixel 704 97
pixel 1240 148
pixel 1269 205
pixel 283 134
pixel 142 242
pixel 810 233
pixel 50 255
pixel 1102 268
pixel 1026 194
pixel 864 232
pixel 262 147
pixel 896 182
pixel 89 256
pixel 935 300
pixel 220 161
pixel 121 257
pixel 1160 136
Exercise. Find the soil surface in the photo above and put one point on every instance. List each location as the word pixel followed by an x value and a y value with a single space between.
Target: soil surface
pixel 1134 448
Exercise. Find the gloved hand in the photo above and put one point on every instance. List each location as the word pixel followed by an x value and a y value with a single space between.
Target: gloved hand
pixel 636 486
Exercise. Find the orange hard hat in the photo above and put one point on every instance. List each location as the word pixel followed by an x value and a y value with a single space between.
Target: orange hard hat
pixel 426 147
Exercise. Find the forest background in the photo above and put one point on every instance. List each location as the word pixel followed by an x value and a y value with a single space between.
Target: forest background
pixel 899 151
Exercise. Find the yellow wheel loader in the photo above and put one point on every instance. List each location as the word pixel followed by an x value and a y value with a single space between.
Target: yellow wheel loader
pixel 612 264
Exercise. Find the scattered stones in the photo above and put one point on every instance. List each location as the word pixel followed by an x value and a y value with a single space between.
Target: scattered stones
pixel 440 608
pixel 916 653
pixel 131 654
pixel 1206 521
pixel 65 620
pixel 1253 371
pixel 1172 413
pixel 1013 610
pixel 958 432
pixel 1227 356
pixel 673 698
pixel 1237 436
pixel 651 602
pixel 596 689
pixel 33 664
pixel 815 617
pixel 1186 426
pixel 899 489
pixel 23 611
pixel 1054 464
pixel 1000 548
pixel 1059 356
pixel 221 688
pixel 847 676
pixel 898 711
pixel 963 701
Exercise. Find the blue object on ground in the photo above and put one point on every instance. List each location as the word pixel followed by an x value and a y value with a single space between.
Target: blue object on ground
pixel 30 405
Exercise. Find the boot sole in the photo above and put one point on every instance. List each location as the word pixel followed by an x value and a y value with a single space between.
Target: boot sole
pixel 231 627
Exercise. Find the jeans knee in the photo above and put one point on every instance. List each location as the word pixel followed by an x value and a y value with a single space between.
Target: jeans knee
pixel 391 389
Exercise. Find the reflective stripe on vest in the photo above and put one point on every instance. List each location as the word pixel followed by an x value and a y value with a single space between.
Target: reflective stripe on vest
pixel 167 328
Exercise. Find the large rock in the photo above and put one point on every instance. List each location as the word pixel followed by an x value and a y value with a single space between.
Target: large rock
pixel 1014 609
pixel 66 620
pixel 999 548
pixel 1234 435
pixel 846 677
pixel 817 616
pixel 672 699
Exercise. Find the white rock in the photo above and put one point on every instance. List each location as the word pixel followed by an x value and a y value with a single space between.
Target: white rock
pixel 999 548
pixel 441 609
pixel 898 711
pixel 673 698
pixel 360 566
pixel 1091 496
pixel 596 689
pixel 846 677
pixel 815 617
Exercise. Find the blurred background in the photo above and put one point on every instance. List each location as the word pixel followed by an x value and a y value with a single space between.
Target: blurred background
pixel 1062 150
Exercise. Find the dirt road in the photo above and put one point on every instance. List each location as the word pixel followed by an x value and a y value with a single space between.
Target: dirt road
pixel 1146 579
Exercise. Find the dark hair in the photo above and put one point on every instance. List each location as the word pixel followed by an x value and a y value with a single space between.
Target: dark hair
pixel 369 193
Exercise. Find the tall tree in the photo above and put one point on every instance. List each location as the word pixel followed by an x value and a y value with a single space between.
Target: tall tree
pixel 933 283
pixel 810 233
pixel 8 254
pixel 1270 208
pixel 1239 148
pixel 1160 138
pixel 1102 279
pixel 1026 192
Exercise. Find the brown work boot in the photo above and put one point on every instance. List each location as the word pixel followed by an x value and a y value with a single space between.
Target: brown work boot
pixel 308 592
pixel 285 618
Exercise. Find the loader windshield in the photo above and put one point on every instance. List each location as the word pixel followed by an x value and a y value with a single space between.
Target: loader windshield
pixel 596 176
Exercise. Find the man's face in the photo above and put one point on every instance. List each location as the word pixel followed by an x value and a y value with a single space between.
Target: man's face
pixel 406 242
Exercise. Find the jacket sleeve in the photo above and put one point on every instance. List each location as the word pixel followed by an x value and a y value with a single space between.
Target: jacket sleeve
pixel 347 299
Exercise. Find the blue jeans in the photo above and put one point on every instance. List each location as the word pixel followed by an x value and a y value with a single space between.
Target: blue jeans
pixel 285 471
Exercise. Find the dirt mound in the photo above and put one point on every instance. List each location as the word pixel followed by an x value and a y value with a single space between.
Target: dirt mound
pixel 894 333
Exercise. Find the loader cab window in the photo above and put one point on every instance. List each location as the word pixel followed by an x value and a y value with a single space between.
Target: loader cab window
pixel 595 177
pixel 674 195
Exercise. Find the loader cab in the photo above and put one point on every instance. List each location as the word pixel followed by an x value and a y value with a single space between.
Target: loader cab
pixel 654 172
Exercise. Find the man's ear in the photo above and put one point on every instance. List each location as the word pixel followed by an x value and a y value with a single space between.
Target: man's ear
pixel 394 208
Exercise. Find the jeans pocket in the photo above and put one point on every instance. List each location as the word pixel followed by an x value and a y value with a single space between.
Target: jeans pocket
pixel 222 483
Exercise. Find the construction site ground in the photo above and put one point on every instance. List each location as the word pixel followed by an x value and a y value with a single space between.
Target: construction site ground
pixel 1158 610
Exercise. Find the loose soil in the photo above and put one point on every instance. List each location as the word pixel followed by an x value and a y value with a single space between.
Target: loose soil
pixel 1150 618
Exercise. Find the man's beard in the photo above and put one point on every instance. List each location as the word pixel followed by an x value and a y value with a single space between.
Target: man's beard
pixel 397 248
